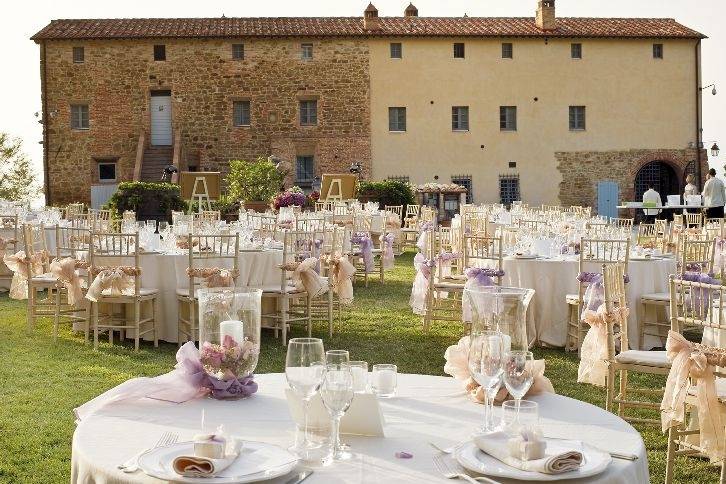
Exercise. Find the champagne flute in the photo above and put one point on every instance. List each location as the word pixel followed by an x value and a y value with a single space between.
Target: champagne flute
pixel 486 354
pixel 304 370
pixel 337 394
pixel 518 376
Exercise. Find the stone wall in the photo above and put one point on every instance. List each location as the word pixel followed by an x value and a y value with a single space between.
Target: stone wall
pixel 582 170
pixel 117 77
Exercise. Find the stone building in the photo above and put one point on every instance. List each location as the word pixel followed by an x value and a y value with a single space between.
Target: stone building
pixel 545 108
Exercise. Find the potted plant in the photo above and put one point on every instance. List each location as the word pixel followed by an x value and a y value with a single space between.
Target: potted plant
pixel 254 183
pixel 291 197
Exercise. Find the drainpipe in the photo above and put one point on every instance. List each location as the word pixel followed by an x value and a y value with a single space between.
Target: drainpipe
pixel 46 120
pixel 699 133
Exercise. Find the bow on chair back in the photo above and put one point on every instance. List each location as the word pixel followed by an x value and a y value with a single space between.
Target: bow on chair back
pixel 213 260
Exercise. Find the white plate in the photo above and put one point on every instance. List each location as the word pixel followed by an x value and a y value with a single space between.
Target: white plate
pixel 525 256
pixel 257 461
pixel 594 462
pixel 641 258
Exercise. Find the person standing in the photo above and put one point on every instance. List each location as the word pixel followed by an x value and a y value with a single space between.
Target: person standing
pixel 688 191
pixel 651 197
pixel 713 195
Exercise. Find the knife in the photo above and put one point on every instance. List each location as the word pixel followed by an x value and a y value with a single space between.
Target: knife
pixel 299 477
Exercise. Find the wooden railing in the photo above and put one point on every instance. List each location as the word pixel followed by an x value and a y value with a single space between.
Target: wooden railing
pixel 176 158
pixel 139 155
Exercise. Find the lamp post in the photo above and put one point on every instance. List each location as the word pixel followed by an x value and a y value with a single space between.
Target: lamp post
pixel 699 130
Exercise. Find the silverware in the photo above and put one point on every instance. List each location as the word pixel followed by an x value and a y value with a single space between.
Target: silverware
pixel 452 470
pixel 300 476
pixel 132 465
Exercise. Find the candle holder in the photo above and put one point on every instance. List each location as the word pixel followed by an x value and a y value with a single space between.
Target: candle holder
pixel 229 340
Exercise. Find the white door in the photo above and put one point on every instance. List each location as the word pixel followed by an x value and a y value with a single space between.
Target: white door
pixel 160 120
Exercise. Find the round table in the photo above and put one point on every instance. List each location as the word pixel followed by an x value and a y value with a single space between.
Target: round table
pixel 553 279
pixel 426 409
pixel 167 273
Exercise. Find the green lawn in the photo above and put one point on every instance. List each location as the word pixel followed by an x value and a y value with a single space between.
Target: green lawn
pixel 42 382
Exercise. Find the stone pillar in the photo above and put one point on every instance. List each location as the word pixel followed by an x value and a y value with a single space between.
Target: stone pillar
pixel 441 206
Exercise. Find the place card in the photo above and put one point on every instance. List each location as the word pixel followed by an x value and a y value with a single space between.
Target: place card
pixel 364 417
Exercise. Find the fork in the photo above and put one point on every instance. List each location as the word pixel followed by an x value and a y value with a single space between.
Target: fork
pixel 132 465
pixel 453 471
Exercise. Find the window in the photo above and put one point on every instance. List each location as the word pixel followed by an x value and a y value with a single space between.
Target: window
pixel 107 171
pixel 576 51
pixel 308 113
pixel 238 51
pixel 402 178
pixel 508 118
pixel 396 119
pixel 577 118
pixel 304 171
pixel 396 50
pixel 458 51
pixel 464 181
pixel 79 55
pixel 657 51
pixel 460 118
pixel 159 52
pixel 79 116
pixel 507 51
pixel 306 51
pixel 241 113
pixel 509 189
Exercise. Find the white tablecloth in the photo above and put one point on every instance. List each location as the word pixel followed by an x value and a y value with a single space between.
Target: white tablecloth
pixel 167 272
pixel 427 409
pixel 554 279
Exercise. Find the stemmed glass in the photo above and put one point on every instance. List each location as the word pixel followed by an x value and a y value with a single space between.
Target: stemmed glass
pixel 486 355
pixel 337 395
pixel 304 369
pixel 518 375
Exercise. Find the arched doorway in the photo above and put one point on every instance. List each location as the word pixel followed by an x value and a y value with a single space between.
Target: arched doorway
pixel 661 176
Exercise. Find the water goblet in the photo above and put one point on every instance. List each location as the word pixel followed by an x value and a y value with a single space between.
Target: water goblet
pixel 337 357
pixel 337 394
pixel 518 376
pixel 304 370
pixel 485 361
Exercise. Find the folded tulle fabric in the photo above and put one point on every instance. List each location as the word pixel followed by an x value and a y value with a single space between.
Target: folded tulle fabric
pixel 196 466
pixel 420 287
pixel 496 445
pixel 23 268
pixel 364 242
pixel 594 351
pixel 305 278
pixel 5 242
pixel 65 270
pixel 341 278
pixel 214 276
pixel 112 281
pixel 387 249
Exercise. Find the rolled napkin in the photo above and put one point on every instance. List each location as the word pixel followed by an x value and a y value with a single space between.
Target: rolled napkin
pixel 497 446
pixel 201 466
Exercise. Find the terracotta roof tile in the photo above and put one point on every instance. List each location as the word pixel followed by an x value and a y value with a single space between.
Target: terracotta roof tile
pixel 353 26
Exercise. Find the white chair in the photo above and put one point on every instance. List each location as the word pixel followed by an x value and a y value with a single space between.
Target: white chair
pixel 108 252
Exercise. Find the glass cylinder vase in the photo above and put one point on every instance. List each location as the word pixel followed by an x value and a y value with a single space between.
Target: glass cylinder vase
pixel 502 309
pixel 229 339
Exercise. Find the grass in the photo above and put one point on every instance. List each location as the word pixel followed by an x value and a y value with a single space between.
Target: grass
pixel 41 382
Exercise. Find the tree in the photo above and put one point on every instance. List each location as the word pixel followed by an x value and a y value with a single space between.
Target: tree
pixel 17 179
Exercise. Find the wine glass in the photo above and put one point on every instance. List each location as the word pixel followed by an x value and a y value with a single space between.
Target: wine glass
pixel 486 355
pixel 151 226
pixel 518 375
pixel 337 357
pixel 163 226
pixel 337 394
pixel 304 370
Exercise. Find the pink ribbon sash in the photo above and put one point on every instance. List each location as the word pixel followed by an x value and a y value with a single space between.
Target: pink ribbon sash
pixel 65 271
pixel 305 278
pixel 689 360
pixel 594 352
pixel 24 268
pixel 214 276
pixel 119 281
pixel 341 274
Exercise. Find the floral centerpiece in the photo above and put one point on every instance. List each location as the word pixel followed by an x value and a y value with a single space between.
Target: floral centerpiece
pixel 290 197
pixel 229 340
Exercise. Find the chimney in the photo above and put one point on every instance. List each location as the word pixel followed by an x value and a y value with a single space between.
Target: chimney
pixel 370 18
pixel 546 19
pixel 411 11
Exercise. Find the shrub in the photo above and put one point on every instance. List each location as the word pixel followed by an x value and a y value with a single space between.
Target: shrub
pixel 387 192
pixel 256 181
pixel 148 200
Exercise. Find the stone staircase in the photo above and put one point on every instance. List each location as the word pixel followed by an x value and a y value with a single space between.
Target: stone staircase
pixel 156 158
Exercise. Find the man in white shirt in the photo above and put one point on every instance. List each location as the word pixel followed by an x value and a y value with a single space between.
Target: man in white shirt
pixel 713 195
pixel 653 198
